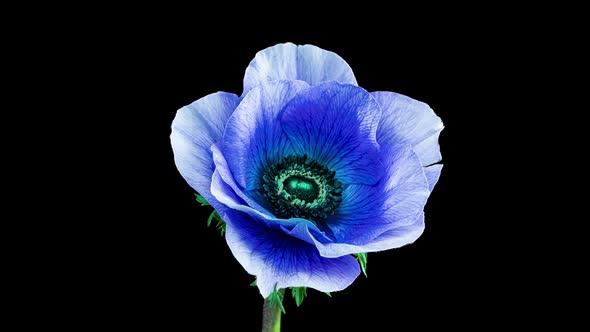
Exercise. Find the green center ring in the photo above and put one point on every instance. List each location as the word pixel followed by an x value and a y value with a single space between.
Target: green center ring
pixel 300 187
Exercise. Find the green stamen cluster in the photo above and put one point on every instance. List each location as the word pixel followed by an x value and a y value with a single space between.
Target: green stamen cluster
pixel 300 187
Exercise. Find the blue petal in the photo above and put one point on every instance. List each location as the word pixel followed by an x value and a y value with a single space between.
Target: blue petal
pixel 279 260
pixel 406 187
pixel 367 212
pixel 393 238
pixel 194 129
pixel 336 125
pixel 291 62
pixel 432 174
pixel 225 185
pixel 225 190
pixel 253 136
pixel 360 216
pixel 408 121
pixel 263 247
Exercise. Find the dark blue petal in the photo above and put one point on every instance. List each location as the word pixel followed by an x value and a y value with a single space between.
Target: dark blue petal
pixel 291 62
pixel 336 125
pixel 360 216
pixel 253 136
pixel 408 121
pixel 279 260
pixel 194 129
pixel 368 213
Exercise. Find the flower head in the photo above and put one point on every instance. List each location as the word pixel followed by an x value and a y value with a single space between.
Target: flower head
pixel 306 168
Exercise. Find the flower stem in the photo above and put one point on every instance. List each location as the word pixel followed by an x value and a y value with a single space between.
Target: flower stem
pixel 271 315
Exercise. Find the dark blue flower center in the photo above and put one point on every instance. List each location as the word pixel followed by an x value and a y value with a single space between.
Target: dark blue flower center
pixel 300 187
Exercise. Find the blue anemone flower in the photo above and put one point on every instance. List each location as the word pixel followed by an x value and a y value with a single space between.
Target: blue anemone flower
pixel 306 168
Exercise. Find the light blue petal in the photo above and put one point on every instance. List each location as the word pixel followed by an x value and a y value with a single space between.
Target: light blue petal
pixel 408 121
pixel 406 188
pixel 253 136
pixel 281 261
pixel 194 129
pixel 429 150
pixel 291 62
pixel 432 174
pixel 393 238
pixel 335 124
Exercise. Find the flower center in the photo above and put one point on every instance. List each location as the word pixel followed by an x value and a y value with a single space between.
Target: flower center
pixel 303 188
pixel 300 187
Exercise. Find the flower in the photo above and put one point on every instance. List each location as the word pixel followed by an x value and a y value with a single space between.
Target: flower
pixel 306 168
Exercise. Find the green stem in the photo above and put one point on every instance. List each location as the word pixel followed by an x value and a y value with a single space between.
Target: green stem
pixel 271 315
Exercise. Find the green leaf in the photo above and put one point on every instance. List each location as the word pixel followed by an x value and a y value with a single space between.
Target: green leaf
pixel 362 258
pixel 328 293
pixel 211 216
pixel 220 223
pixel 201 200
pixel 276 297
pixel 299 293
pixel 214 215
pixel 253 284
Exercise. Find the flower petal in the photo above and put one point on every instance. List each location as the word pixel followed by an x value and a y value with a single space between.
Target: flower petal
pixel 225 189
pixel 266 250
pixel 359 218
pixel 432 174
pixel 393 238
pixel 279 260
pixel 194 129
pixel 336 125
pixel 408 121
pixel 367 212
pixel 291 62
pixel 406 187
pixel 253 136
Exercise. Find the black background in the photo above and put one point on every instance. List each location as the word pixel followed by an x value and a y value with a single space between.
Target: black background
pixel 156 264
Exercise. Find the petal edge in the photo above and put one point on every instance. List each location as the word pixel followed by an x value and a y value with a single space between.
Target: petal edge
pixel 288 61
